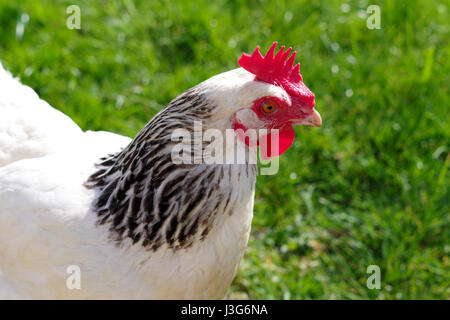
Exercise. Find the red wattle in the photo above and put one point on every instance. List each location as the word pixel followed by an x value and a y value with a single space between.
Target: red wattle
pixel 285 138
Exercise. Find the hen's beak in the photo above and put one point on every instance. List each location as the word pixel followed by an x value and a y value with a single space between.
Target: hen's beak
pixel 312 120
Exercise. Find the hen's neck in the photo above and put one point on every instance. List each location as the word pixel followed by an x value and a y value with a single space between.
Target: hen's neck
pixel 145 198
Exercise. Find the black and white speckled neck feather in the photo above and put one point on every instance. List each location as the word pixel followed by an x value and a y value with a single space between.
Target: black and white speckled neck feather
pixel 145 198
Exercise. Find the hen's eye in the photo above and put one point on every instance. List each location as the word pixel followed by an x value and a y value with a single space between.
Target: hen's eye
pixel 268 107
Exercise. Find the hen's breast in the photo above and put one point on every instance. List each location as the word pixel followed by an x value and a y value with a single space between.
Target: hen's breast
pixel 206 269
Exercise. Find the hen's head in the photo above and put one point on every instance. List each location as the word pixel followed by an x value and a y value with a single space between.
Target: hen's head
pixel 265 93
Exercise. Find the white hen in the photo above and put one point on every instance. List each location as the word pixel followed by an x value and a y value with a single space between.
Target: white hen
pixel 136 224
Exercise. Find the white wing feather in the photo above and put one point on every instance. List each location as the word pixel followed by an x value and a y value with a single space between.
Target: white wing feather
pixel 29 126
pixel 44 209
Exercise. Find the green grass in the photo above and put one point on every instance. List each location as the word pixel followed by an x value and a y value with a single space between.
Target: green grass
pixel 369 187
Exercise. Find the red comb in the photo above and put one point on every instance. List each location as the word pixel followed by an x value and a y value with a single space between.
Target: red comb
pixel 278 69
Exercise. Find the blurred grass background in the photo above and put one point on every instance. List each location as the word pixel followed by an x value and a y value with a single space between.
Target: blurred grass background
pixel 369 187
